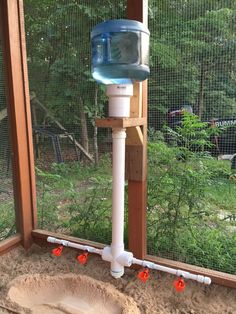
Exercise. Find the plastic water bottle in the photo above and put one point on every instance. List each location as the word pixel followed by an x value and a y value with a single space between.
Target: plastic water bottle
pixel 120 52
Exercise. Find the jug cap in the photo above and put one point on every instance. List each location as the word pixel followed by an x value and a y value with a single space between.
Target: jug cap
pixel 119 25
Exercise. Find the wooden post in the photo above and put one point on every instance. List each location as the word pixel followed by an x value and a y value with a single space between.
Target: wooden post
pixel 19 117
pixel 137 151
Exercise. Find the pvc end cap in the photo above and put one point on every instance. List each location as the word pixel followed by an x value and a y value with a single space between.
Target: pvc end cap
pixel 207 281
pixel 125 259
pixel 117 274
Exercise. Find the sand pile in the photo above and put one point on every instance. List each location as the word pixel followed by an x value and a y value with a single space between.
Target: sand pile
pixel 74 294
pixel 157 296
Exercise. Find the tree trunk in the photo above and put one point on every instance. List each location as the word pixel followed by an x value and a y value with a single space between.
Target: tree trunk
pixel 201 91
pixel 95 131
pixel 84 127
pixel 36 135
pixel 3 114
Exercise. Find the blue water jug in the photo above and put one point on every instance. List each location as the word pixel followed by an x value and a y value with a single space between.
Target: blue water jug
pixel 120 52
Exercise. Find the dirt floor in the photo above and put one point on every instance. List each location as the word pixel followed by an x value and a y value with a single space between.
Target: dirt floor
pixel 115 296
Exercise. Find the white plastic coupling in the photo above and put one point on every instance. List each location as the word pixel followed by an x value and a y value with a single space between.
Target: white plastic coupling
pixel 118 133
pixel 119 100
pixel 125 259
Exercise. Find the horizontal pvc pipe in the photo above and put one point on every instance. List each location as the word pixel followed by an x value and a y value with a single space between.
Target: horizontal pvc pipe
pixel 73 245
pixel 173 271
pixel 177 272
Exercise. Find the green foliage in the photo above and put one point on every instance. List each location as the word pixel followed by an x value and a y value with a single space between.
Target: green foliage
pixel 7 221
pixel 47 212
pixel 76 199
pixel 191 202
pixel 192 42
pixel 193 53
pixel 90 210
pixel 59 56
pixel 193 134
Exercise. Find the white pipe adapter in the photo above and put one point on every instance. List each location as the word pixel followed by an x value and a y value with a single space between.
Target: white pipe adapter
pixel 119 100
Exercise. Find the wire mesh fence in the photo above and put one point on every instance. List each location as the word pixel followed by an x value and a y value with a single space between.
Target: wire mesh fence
pixel 74 196
pixel 192 133
pixel 192 113
pixel 7 212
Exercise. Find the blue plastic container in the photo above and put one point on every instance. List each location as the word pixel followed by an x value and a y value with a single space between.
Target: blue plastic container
pixel 120 52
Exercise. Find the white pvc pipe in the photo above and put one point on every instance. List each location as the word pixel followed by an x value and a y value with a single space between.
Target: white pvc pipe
pixel 173 271
pixel 119 107
pixel 127 259
pixel 73 245
pixel 118 187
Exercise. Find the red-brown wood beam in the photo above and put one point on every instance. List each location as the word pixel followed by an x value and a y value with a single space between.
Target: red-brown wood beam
pixel 19 117
pixel 10 243
pixel 137 189
pixel 138 10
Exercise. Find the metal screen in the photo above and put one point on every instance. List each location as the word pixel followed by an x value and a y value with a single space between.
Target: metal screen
pixel 192 113
pixel 192 133
pixel 7 212
pixel 74 191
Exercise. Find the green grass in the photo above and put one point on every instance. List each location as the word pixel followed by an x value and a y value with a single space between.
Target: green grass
pixel 7 221
pixel 76 200
pixel 222 195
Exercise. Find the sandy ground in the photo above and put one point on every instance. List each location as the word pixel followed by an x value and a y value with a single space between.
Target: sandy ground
pixel 116 296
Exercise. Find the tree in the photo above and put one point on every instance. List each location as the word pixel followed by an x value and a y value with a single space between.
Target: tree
pixel 59 57
pixel 193 57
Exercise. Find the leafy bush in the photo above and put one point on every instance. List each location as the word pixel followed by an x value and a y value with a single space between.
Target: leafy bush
pixel 76 199
pixel 7 221
pixel 184 211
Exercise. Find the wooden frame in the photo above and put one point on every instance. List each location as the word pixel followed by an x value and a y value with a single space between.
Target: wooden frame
pixel 23 162
pixel 40 238
pixel 10 243
pixel 120 122
pixel 15 240
pixel 137 174
pixel 217 277
pixel 19 118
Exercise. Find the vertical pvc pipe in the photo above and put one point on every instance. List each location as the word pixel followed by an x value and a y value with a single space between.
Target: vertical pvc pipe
pixel 118 186
pixel 119 106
